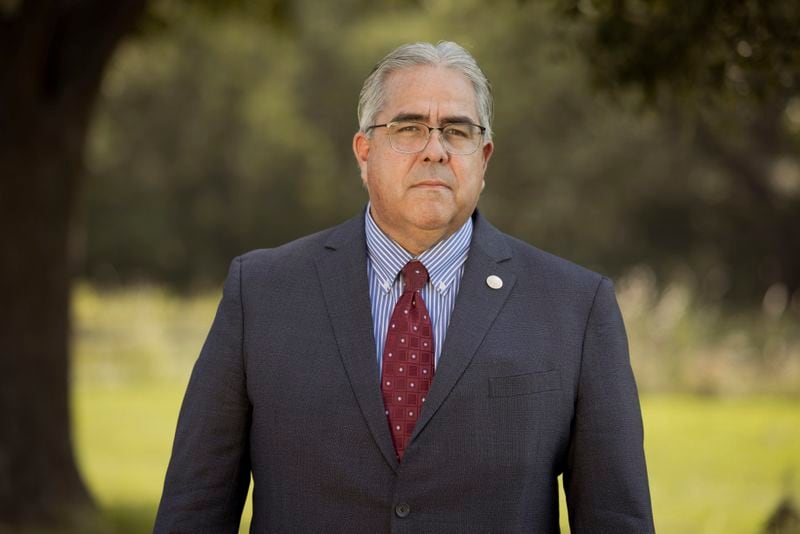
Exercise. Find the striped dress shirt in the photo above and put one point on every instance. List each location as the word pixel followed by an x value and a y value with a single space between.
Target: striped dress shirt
pixel 445 264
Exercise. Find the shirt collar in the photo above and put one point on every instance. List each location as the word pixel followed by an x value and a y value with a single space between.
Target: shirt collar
pixel 443 260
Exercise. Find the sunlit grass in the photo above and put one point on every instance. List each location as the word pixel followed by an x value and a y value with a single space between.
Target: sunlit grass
pixel 141 333
pixel 124 437
pixel 133 352
pixel 718 464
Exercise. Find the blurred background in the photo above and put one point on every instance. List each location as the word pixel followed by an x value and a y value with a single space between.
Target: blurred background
pixel 143 145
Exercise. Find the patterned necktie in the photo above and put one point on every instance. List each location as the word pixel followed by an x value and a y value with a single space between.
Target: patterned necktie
pixel 407 358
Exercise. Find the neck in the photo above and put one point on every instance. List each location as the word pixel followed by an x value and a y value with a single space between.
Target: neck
pixel 417 240
pixel 417 246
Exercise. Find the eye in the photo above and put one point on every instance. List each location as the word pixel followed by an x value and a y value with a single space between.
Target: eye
pixel 463 131
pixel 408 128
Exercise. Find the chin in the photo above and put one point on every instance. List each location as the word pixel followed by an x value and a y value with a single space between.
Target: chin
pixel 433 221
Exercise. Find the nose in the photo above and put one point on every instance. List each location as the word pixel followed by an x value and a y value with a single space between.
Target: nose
pixel 435 150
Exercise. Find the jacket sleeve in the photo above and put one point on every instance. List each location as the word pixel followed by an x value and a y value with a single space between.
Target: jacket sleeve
pixel 605 478
pixel 209 471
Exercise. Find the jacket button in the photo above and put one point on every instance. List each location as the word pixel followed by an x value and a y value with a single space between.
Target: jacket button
pixel 402 510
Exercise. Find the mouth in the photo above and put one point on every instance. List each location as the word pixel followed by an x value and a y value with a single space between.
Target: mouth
pixel 431 184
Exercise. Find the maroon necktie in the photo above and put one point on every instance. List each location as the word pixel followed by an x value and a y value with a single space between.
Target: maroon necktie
pixel 407 358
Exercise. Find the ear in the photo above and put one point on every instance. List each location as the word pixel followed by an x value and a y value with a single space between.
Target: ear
pixel 361 150
pixel 487 151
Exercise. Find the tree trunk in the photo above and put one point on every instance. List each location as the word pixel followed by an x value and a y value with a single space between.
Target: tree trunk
pixel 52 56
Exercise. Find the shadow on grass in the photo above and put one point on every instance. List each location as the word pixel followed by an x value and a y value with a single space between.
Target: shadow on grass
pixel 117 519
pixel 124 518
pixel 129 519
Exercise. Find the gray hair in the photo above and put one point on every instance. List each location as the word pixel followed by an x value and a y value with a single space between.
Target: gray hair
pixel 443 53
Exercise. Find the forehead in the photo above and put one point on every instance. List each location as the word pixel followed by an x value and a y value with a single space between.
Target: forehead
pixel 430 92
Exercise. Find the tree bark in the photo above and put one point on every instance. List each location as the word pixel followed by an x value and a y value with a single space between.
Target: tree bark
pixel 52 57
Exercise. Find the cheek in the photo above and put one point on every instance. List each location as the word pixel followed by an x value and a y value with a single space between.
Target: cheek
pixel 471 182
pixel 386 177
pixel 380 185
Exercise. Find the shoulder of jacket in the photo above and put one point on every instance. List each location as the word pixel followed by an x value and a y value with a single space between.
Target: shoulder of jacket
pixel 541 263
pixel 294 253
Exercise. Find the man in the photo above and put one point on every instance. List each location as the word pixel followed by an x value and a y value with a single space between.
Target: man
pixel 316 375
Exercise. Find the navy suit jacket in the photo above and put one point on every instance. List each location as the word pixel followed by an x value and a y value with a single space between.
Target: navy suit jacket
pixel 534 381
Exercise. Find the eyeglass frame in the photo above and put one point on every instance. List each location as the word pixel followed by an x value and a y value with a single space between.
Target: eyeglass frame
pixel 441 129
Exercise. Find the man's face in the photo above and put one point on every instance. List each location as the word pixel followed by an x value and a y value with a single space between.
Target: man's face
pixel 419 199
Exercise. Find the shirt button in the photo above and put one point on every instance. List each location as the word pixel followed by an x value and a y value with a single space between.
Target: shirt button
pixel 402 510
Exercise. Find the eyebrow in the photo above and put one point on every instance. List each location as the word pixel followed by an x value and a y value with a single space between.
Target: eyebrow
pixel 417 117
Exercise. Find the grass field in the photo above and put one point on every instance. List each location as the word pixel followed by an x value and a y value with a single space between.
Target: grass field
pixel 717 464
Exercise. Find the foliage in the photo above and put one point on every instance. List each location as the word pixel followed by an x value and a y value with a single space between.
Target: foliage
pixel 202 154
pixel 678 343
pixel 726 77
pixel 223 135
pixel 710 49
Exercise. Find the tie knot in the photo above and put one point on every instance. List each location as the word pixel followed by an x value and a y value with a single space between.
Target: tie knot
pixel 415 275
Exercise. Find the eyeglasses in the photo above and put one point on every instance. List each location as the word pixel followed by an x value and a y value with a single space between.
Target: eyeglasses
pixel 409 137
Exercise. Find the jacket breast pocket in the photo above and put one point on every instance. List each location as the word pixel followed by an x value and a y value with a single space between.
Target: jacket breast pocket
pixel 526 384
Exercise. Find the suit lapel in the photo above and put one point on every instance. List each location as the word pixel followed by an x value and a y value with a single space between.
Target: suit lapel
pixel 476 308
pixel 342 270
